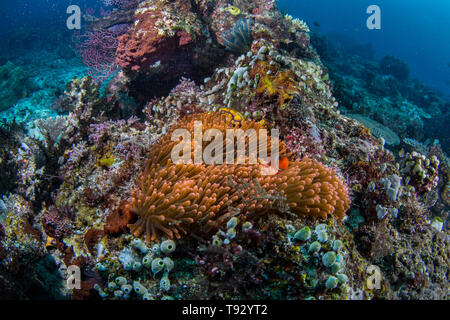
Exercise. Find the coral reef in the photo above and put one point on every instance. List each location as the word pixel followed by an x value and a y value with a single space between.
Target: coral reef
pixel 362 181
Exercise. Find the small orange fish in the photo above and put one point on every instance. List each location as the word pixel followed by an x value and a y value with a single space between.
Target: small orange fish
pixel 283 163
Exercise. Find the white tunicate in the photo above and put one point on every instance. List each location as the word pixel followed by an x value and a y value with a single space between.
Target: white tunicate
pixel 322 236
pixel 168 246
pixel 126 288
pixel 157 265
pixel 101 247
pixel 337 245
pixel 262 50
pixel 393 185
pixel 335 268
pixel 247 226
pixel 437 223
pixel 216 242
pixel 147 296
pixel 155 249
pixel 332 282
pixel 393 212
pixel 140 245
pixel 164 284
pixel 329 258
pixel 314 247
pixel 127 258
pixel 137 266
pixel 147 261
pixel 235 80
pixel 128 265
pixel 320 227
pixel 118 293
pixel 232 223
pixel 139 288
pixel 231 233
pixel 381 212
pixel 168 263
pixel 100 267
pixel 290 229
pixel 121 281
pixel 111 285
pixel 342 278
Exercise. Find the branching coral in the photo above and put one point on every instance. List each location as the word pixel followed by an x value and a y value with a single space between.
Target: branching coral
pixel 170 198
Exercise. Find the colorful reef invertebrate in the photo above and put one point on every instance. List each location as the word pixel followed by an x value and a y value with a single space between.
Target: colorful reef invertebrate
pixel 279 85
pixel 233 115
pixel 107 161
pixel 156 41
pixel 421 172
pixel 239 38
pixel 172 198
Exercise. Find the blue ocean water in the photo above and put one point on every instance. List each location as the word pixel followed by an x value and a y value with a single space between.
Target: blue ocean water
pixel 416 31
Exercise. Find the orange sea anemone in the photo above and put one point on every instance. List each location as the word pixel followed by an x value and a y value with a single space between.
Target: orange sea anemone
pixel 171 199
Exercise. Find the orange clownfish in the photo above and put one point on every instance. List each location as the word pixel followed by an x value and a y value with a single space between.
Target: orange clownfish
pixel 282 163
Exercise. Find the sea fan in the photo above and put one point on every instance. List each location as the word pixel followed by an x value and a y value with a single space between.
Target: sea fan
pixel 239 38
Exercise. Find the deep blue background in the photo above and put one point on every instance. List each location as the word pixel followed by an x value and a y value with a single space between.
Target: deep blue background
pixel 416 31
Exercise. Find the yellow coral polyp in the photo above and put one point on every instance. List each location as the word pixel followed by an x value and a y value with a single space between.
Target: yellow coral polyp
pixel 281 85
pixel 107 161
